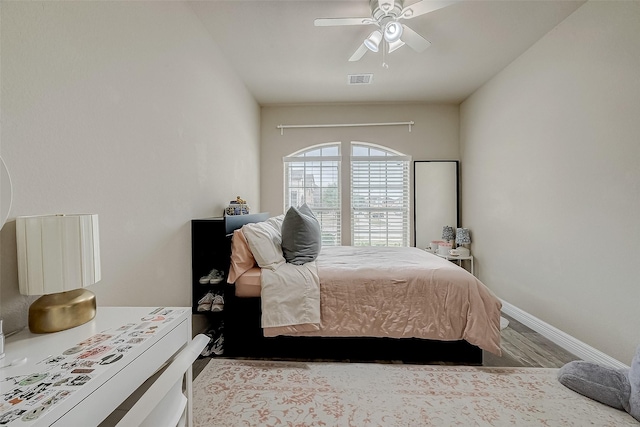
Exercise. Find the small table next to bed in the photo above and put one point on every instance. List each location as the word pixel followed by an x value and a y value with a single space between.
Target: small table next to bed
pixel 459 259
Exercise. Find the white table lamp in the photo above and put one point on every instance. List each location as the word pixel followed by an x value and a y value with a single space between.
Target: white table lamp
pixel 58 256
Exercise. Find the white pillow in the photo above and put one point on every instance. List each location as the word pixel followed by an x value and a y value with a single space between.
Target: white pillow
pixel 265 241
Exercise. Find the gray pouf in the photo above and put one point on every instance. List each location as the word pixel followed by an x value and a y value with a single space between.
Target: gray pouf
pixel 618 388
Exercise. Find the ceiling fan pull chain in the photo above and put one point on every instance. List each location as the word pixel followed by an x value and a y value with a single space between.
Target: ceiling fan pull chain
pixel 384 53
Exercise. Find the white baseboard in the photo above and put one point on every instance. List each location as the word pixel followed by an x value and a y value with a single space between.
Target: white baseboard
pixel 573 345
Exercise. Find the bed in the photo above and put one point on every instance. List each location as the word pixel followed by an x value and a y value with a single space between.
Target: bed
pixel 355 303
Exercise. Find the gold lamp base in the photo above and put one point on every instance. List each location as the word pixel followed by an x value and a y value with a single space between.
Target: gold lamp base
pixel 64 310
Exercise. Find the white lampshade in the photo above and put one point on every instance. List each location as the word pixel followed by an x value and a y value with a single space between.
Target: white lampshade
pixel 373 41
pixel 393 32
pixel 57 253
pixel 395 45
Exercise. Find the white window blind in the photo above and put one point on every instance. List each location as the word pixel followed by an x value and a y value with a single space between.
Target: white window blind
pixel 379 197
pixel 313 177
pixel 379 188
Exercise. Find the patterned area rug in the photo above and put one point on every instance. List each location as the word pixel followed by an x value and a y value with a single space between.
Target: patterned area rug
pixel 264 393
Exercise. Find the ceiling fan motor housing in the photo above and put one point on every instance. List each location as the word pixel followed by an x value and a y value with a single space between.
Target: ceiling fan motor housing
pixel 378 11
pixel 386 14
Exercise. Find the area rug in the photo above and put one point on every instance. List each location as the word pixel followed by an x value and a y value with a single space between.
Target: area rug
pixel 265 393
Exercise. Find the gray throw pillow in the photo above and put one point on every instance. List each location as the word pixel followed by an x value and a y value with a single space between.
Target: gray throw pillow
pixel 618 388
pixel 634 381
pixel 600 383
pixel 301 235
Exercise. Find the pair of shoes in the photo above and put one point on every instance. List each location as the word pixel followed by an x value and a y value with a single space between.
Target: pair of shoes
pixel 216 342
pixel 218 303
pixel 214 277
pixel 204 303
pixel 211 302
pixel 217 347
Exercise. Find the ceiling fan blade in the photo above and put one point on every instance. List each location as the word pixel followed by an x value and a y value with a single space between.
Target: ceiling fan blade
pixel 424 6
pixel 332 22
pixel 414 40
pixel 358 53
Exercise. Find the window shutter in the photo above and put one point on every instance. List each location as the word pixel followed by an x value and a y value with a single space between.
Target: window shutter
pixel 380 200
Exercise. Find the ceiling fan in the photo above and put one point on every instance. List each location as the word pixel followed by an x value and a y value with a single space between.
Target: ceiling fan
pixel 386 14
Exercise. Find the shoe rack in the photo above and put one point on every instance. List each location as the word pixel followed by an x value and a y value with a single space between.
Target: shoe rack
pixel 211 249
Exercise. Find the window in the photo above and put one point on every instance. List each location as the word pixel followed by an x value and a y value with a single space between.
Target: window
pixel 379 196
pixel 378 189
pixel 313 177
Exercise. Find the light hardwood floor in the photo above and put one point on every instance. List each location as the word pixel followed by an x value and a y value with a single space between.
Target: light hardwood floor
pixel 521 347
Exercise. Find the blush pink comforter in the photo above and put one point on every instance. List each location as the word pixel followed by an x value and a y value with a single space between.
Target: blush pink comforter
pixel 400 292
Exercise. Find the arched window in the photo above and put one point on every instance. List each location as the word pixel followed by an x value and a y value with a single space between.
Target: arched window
pixel 378 189
pixel 312 176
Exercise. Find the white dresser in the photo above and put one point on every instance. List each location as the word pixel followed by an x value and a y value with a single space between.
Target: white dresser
pixel 78 377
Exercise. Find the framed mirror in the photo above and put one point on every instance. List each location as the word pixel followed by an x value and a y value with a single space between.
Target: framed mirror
pixel 6 192
pixel 435 199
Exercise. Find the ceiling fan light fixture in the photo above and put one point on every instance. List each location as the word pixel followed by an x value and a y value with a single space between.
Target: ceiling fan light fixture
pixel 392 32
pixel 395 45
pixel 373 41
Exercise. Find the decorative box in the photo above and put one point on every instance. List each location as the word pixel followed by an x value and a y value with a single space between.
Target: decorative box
pixel 237 209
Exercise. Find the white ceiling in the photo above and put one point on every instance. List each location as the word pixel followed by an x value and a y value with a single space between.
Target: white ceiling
pixel 283 58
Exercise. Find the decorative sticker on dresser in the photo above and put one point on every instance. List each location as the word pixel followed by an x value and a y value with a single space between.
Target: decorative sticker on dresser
pixel 24 398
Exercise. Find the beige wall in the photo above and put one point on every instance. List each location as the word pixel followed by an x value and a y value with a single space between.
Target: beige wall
pixel 551 178
pixel 433 137
pixel 127 110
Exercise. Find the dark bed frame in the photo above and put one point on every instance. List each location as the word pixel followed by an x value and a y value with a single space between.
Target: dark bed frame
pixel 244 338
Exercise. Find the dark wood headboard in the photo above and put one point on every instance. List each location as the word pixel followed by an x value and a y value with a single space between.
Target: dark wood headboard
pixel 233 222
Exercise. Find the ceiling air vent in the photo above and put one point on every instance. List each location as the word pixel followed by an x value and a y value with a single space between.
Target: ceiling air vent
pixel 360 79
